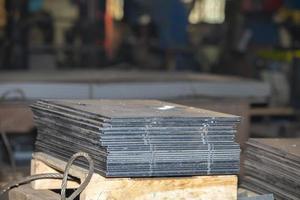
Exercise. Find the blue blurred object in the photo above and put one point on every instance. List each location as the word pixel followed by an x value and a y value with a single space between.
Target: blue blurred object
pixel 171 19
pixel 264 30
pixel 133 11
pixel 293 4
pixel 169 16
pixel 35 5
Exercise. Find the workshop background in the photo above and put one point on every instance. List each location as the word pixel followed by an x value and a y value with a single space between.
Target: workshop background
pixel 235 56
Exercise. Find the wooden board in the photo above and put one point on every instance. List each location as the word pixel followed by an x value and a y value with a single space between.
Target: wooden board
pixel 25 192
pixel 100 188
pixel 40 167
pixel 272 111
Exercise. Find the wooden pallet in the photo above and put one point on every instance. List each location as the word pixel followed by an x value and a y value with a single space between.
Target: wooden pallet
pixel 25 192
pixel 101 188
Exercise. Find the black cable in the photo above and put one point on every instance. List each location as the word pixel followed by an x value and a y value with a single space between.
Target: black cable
pixel 6 142
pixel 84 183
pixel 29 179
pixel 9 151
pixel 64 176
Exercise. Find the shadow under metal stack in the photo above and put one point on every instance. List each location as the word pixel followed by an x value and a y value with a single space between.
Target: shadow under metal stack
pixel 139 138
pixel 273 166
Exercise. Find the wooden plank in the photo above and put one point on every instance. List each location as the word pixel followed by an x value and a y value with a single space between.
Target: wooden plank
pixel 39 167
pixel 201 188
pixel 25 192
pixel 272 111
pixel 100 188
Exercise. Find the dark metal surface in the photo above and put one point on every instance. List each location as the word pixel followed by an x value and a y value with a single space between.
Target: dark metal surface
pixel 140 109
pixel 261 197
pixel 136 138
pixel 273 166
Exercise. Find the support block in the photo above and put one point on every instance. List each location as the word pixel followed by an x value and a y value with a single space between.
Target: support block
pixel 101 188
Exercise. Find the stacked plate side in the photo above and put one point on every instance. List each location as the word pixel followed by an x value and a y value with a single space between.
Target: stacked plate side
pixel 139 138
pixel 273 166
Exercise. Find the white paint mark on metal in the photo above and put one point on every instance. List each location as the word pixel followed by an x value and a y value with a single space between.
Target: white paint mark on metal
pixel 166 107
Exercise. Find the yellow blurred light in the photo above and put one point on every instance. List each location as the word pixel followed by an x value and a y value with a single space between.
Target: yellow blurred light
pixel 116 9
pixel 208 11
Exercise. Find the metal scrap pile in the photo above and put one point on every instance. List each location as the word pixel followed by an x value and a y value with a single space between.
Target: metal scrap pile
pixel 273 166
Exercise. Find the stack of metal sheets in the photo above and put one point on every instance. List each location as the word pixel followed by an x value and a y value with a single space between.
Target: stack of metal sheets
pixel 139 138
pixel 273 166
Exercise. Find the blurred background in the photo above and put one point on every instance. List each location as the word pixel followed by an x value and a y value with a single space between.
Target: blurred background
pixel 235 56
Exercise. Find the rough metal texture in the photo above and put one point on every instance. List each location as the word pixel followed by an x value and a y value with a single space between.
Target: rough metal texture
pixel 273 166
pixel 138 138
pixel 262 197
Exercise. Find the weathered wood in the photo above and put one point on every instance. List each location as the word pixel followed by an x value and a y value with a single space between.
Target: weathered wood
pixel 25 192
pixel 273 111
pixel 39 167
pixel 100 188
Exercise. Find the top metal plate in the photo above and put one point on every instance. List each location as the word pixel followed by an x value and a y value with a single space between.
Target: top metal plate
pixel 136 109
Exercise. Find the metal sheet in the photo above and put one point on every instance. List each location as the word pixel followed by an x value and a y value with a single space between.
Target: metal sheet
pixel 136 138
